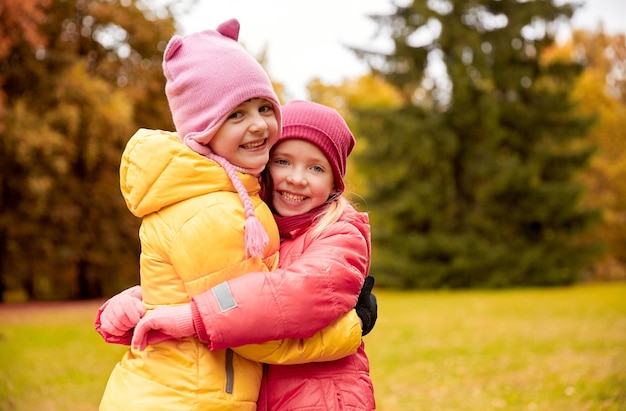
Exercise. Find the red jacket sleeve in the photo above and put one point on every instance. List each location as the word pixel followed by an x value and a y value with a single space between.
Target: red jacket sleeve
pixel 296 301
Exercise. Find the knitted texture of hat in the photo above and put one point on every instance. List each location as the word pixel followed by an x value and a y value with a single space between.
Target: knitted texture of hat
pixel 324 127
pixel 208 74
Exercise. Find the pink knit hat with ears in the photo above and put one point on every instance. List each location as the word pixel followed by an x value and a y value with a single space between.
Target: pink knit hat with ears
pixel 208 74
pixel 325 128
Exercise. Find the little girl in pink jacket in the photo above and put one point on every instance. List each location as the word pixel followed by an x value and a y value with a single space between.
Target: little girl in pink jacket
pixel 325 242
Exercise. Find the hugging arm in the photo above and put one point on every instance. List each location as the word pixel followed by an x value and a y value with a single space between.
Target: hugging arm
pixel 340 339
pixel 319 286
pixel 119 321
pixel 295 301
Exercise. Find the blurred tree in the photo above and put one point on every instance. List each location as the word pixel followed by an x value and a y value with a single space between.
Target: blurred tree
pixel 602 91
pixel 472 180
pixel 366 92
pixel 14 30
pixel 75 89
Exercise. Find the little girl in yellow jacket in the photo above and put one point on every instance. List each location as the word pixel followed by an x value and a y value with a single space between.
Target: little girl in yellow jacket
pixel 203 220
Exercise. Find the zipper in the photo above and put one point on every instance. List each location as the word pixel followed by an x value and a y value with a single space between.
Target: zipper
pixel 230 371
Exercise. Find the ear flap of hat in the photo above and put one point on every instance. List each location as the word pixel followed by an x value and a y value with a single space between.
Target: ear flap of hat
pixel 229 28
pixel 174 44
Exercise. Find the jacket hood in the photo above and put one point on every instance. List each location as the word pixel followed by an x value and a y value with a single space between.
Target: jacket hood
pixel 158 170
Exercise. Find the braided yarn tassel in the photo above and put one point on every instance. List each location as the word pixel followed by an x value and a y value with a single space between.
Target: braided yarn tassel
pixel 255 236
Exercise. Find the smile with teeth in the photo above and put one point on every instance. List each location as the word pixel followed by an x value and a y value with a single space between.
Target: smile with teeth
pixel 253 144
pixel 292 197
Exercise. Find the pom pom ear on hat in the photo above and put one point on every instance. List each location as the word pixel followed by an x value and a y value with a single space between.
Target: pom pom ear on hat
pixel 229 28
pixel 324 127
pixel 208 74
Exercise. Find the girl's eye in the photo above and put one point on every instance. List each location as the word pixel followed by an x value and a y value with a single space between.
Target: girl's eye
pixel 235 115
pixel 318 169
pixel 266 108
pixel 281 161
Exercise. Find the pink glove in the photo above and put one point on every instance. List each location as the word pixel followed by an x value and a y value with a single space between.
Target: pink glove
pixel 163 323
pixel 122 312
pixel 118 315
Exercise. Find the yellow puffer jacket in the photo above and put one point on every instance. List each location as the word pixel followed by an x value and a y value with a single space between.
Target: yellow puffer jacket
pixel 192 239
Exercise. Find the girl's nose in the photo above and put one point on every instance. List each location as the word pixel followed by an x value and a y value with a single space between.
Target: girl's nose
pixel 296 177
pixel 258 123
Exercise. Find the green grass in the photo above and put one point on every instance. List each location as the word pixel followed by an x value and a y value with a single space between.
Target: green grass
pixel 536 349
pixel 556 349
pixel 51 357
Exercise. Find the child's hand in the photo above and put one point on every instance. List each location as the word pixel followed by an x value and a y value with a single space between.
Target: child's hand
pixel 122 312
pixel 366 306
pixel 163 323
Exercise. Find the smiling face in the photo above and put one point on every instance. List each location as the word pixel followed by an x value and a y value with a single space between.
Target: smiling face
pixel 247 135
pixel 302 177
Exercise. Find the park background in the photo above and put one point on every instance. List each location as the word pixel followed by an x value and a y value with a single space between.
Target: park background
pixel 490 157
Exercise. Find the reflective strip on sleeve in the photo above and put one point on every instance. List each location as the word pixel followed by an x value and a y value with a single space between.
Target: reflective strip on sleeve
pixel 224 297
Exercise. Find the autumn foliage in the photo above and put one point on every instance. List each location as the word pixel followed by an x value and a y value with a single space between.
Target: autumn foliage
pixel 78 78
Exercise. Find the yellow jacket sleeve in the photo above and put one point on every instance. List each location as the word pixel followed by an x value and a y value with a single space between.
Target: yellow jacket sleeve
pixel 338 340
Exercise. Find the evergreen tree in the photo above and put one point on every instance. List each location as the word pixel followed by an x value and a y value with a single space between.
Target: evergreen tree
pixel 472 182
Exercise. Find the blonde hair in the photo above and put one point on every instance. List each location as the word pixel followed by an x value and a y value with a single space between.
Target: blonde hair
pixel 329 216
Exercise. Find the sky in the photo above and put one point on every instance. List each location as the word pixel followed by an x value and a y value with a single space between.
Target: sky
pixel 307 40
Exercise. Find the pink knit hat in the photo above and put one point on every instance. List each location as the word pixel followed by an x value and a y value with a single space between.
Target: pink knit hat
pixel 325 128
pixel 209 74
